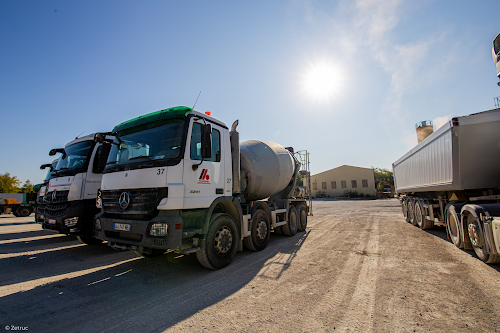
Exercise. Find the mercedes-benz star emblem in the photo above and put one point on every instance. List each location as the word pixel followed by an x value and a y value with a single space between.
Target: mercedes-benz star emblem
pixel 124 200
pixel 54 195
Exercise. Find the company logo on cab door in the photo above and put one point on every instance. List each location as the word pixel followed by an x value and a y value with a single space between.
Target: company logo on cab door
pixel 204 177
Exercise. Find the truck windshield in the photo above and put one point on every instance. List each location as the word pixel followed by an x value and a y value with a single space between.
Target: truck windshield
pixel 74 158
pixel 146 143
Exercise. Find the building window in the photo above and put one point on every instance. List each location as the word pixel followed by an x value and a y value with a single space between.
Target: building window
pixel 354 184
pixel 343 183
pixel 315 186
pixel 323 185
pixel 334 185
pixel 365 182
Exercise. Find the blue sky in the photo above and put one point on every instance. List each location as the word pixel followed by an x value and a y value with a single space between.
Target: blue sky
pixel 68 67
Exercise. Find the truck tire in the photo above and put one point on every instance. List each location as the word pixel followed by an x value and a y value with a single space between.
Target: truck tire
pixel 407 203
pixel 420 215
pixel 219 247
pixel 411 211
pixel 476 236
pixel 23 211
pixel 302 217
pixel 259 233
pixel 404 208
pixel 290 228
pixel 153 254
pixel 453 226
pixel 278 231
pixel 89 240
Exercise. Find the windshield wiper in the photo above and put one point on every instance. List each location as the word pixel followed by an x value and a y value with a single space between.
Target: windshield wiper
pixel 58 171
pixel 141 156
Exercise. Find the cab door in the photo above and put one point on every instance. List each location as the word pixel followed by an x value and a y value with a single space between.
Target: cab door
pixel 94 175
pixel 204 184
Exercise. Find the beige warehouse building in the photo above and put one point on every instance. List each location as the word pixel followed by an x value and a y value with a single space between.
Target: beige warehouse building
pixel 336 182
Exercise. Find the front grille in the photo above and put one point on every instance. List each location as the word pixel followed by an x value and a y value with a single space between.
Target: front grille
pixel 56 210
pixel 142 204
pixel 61 196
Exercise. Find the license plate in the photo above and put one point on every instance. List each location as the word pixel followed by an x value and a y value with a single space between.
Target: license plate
pixel 122 227
pixel 51 221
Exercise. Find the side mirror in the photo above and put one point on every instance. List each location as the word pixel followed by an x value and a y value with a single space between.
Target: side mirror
pixel 43 166
pixel 55 151
pixel 103 156
pixel 206 141
pixel 99 137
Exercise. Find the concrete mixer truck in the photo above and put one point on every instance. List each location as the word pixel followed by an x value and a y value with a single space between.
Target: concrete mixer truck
pixel 180 180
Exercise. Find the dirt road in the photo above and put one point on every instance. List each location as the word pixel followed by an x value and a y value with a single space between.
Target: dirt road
pixel 359 267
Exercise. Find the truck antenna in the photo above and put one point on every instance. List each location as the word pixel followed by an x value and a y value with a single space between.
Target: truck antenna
pixel 79 135
pixel 196 100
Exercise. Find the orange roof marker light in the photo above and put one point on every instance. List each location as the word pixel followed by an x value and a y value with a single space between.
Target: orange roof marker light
pixel 208 113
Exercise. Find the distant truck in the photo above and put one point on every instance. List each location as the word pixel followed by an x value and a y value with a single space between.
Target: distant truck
pixel 69 202
pixel 180 180
pixel 452 179
pixel 19 204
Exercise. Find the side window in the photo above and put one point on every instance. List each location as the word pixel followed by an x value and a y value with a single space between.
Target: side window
pixel 95 166
pixel 195 145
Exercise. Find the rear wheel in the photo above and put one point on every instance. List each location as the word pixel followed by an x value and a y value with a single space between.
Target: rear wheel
pixel 290 228
pixel 302 217
pixel 278 231
pixel 24 211
pixel 260 232
pixel 411 211
pixel 218 249
pixel 476 236
pixel 404 208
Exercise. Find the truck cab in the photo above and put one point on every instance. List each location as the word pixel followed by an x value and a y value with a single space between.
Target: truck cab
pixel 70 195
pixel 41 189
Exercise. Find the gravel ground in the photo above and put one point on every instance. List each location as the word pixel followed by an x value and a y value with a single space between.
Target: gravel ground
pixel 359 267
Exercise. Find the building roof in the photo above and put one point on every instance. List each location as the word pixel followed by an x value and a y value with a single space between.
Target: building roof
pixel 342 166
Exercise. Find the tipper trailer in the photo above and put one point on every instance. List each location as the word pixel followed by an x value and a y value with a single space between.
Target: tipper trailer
pixel 68 205
pixel 180 180
pixel 452 179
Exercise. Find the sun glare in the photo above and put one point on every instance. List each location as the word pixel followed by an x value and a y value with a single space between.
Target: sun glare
pixel 322 81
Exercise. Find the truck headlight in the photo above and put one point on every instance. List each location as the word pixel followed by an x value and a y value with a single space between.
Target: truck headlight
pixel 71 222
pixel 158 229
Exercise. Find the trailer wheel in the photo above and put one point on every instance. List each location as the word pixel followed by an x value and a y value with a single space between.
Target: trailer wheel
pixel 89 240
pixel 302 217
pixel 411 211
pixel 476 236
pixel 453 225
pixel 23 211
pixel 260 233
pixel 404 208
pixel 290 228
pixel 154 253
pixel 418 211
pixel 219 247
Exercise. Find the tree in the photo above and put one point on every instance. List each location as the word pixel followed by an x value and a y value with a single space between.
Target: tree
pixel 8 183
pixel 383 175
pixel 27 187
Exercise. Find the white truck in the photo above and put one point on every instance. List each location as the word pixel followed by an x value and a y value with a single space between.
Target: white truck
pixel 178 179
pixel 40 189
pixel 452 179
pixel 69 201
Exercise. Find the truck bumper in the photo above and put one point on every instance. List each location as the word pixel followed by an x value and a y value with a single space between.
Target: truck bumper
pixel 139 232
pixel 74 221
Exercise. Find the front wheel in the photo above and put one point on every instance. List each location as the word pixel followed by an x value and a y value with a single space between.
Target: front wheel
pixel 219 247
pixel 24 211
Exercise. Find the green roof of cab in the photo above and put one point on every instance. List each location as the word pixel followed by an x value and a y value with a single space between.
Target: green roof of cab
pixel 153 116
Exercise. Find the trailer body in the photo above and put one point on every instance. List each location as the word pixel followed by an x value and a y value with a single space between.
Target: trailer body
pixel 452 179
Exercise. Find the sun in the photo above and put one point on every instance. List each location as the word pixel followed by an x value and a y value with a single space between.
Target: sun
pixel 322 81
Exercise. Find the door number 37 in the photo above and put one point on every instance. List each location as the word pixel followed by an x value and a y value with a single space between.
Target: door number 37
pixel 160 171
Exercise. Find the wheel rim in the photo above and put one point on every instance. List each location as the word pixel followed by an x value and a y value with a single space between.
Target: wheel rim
pixel 223 240
pixel 418 214
pixel 410 212
pixel 404 208
pixel 261 230
pixel 475 236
